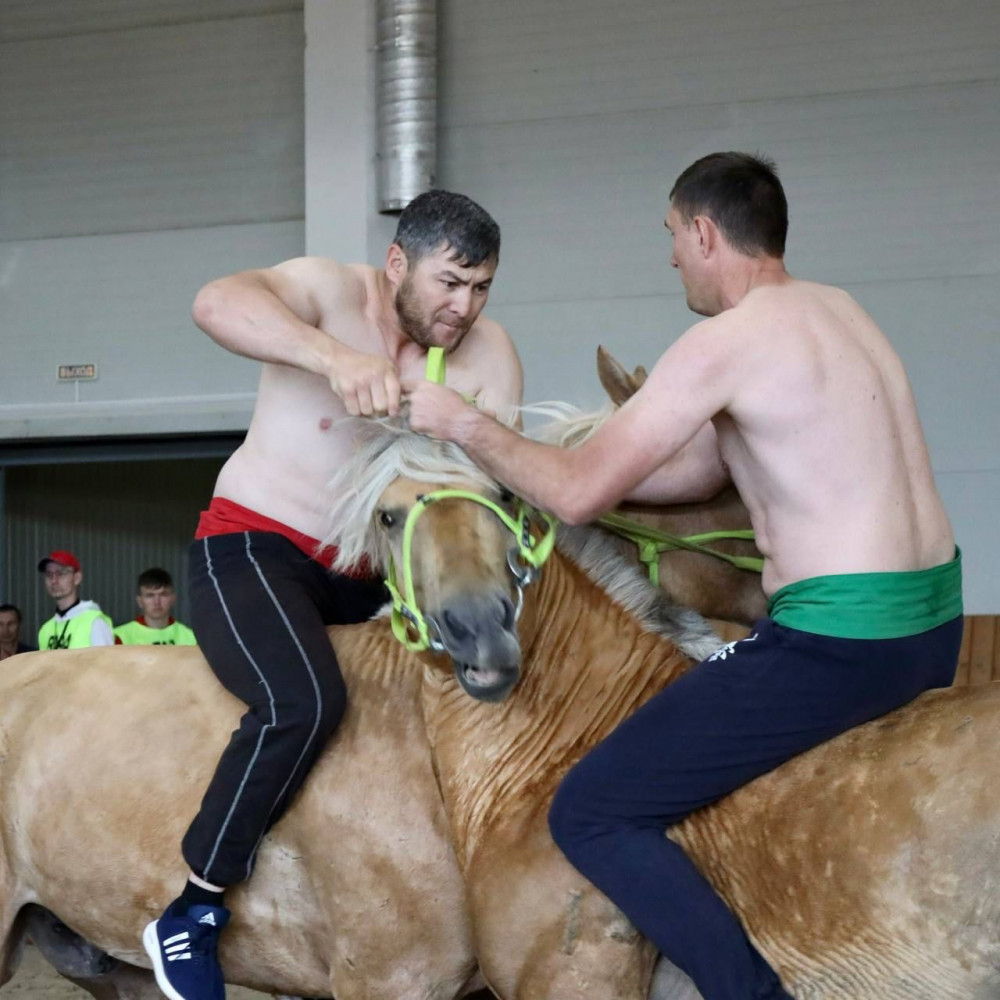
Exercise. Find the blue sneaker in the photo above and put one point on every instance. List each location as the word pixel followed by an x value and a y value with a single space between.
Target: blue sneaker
pixel 182 945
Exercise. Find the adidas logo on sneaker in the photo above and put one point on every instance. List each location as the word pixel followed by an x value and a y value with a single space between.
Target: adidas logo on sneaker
pixel 209 918
pixel 177 947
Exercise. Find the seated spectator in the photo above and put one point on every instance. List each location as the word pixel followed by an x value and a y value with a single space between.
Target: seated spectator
pixel 10 632
pixel 155 627
pixel 76 623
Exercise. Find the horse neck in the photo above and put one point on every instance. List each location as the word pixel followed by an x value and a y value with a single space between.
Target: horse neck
pixel 586 664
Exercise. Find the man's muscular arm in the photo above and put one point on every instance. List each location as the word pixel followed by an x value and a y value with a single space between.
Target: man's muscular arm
pixel 688 386
pixel 273 315
pixel 695 474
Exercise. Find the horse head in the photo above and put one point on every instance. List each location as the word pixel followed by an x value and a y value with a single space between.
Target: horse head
pixel 455 572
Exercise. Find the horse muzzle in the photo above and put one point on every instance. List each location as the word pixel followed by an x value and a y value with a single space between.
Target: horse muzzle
pixel 480 636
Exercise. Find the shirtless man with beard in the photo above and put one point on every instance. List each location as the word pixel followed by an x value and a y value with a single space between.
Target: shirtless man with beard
pixel 336 340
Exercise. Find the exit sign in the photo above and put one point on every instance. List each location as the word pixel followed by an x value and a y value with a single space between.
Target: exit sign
pixel 76 373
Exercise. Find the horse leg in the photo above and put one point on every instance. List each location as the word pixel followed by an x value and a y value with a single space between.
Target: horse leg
pixel 82 963
pixel 11 943
pixel 549 934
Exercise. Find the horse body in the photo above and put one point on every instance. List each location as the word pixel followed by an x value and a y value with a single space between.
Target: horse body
pixel 868 867
pixel 343 883
pixel 714 588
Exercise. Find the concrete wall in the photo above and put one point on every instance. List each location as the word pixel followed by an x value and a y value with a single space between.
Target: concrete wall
pixel 145 148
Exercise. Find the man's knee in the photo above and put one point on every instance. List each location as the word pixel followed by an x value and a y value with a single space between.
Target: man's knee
pixel 572 815
pixel 317 713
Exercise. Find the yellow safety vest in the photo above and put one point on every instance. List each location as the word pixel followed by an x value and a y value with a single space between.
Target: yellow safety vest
pixel 73 633
pixel 136 634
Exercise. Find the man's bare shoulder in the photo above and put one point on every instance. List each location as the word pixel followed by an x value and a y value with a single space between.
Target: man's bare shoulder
pixel 328 283
pixel 488 335
pixel 493 366
pixel 792 295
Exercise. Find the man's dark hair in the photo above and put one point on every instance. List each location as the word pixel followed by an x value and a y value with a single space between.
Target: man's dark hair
pixel 438 219
pixel 15 609
pixel 155 577
pixel 742 195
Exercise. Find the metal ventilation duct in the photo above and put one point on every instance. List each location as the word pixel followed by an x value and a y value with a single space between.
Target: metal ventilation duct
pixel 406 96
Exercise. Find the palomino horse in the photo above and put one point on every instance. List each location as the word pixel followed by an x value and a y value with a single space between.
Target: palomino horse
pixel 866 868
pixel 711 586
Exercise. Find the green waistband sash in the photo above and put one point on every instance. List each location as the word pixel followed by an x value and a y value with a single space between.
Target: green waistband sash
pixel 872 605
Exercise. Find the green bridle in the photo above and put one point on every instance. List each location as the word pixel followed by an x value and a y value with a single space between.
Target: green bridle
pixel 524 559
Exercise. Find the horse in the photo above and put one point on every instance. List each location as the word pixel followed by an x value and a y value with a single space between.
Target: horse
pixel 866 867
pixel 713 587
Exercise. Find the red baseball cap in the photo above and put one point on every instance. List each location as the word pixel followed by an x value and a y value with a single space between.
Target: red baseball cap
pixel 62 557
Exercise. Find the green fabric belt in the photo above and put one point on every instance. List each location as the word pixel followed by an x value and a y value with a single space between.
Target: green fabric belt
pixel 872 605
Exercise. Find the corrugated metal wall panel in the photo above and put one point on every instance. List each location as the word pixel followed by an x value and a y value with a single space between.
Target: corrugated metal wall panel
pixel 119 518
pixel 22 19
pixel 570 120
pixel 124 302
pixel 182 126
pixel 172 129
pixel 525 60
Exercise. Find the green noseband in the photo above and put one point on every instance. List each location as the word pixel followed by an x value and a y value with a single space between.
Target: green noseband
pixel 417 631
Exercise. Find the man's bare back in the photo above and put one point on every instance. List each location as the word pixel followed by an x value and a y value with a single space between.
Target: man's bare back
pixel 297 438
pixel 821 437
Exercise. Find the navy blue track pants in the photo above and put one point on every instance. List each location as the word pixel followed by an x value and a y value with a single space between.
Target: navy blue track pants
pixel 745 710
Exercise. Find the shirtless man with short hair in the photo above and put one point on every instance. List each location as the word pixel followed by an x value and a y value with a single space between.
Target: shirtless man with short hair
pixel 336 340
pixel 790 390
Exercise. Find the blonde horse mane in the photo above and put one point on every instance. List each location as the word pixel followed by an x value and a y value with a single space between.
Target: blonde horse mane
pixel 386 450
pixel 568 426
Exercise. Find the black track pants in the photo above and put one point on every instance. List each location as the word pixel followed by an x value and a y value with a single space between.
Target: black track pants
pixel 260 609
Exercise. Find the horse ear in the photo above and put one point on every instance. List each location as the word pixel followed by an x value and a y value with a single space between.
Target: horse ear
pixel 617 382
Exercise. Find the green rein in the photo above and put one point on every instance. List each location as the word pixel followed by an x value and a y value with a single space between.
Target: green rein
pixel 652 543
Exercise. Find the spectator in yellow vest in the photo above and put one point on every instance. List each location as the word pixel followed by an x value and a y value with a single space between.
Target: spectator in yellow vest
pixel 76 623
pixel 10 632
pixel 155 627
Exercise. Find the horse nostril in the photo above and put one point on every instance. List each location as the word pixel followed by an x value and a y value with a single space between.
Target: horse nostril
pixel 507 608
pixel 455 627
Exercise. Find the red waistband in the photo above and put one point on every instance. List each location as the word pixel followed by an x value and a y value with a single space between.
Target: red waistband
pixel 225 517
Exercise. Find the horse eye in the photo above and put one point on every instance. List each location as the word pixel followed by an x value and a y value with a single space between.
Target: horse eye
pixel 505 495
pixel 387 519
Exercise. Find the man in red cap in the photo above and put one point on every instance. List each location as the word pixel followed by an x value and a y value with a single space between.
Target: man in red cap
pixel 76 623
